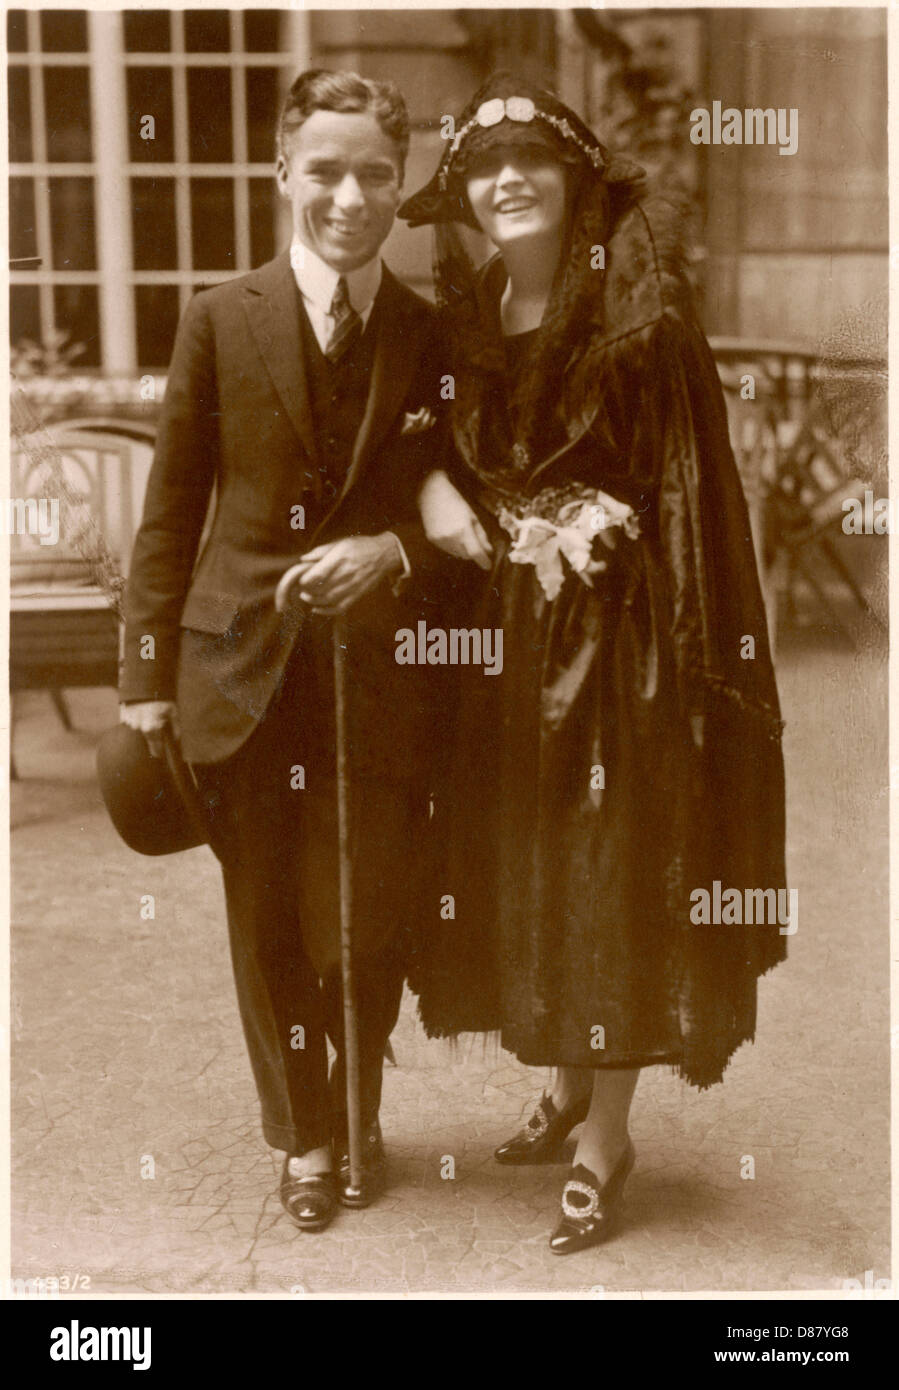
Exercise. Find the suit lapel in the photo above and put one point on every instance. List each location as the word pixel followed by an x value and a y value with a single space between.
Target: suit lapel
pixel 273 311
pixel 400 327
pixel 272 306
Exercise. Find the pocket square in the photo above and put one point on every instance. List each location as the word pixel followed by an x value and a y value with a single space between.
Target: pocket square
pixel 418 421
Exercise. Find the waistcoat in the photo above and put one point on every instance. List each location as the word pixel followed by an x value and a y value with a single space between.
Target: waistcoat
pixel 338 394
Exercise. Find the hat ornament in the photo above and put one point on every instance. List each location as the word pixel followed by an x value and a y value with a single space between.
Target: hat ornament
pixel 522 110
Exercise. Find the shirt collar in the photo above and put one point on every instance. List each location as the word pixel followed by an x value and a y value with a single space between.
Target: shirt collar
pixel 317 281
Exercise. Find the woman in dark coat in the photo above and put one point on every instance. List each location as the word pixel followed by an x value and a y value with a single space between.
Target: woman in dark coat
pixel 628 756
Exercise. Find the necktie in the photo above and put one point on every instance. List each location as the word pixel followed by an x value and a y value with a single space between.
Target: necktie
pixel 347 328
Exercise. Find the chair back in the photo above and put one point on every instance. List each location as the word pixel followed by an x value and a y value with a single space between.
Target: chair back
pixel 102 484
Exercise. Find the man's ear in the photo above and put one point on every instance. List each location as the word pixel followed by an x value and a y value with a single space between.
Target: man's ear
pixel 281 175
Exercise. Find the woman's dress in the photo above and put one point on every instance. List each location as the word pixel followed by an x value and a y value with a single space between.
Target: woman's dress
pixel 580 813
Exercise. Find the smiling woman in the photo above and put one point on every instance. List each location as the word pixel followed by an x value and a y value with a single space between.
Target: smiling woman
pixel 585 785
pixel 519 193
pixel 517 190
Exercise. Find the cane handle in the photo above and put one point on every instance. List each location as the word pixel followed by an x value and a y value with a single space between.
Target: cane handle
pixel 286 583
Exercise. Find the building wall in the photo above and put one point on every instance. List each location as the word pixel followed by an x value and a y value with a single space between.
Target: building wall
pixel 795 242
pixel 129 228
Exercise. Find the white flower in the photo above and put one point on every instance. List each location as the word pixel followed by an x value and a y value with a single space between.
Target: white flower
pixel 619 514
pixel 542 542
pixel 535 542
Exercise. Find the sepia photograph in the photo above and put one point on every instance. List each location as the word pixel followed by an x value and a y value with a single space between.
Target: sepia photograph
pixel 448 779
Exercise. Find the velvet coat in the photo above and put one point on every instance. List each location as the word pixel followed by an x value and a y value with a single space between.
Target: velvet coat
pixel 581 811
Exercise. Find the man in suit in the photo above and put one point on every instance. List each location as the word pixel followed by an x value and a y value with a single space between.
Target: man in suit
pixel 303 394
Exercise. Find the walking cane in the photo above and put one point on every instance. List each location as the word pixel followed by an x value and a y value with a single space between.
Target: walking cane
pixel 350 1028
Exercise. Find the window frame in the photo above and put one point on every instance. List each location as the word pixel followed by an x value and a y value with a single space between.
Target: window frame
pixel 111 168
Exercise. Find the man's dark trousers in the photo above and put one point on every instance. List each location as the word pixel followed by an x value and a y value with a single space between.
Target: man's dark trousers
pixel 277 840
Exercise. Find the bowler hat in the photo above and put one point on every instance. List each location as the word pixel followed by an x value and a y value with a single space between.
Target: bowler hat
pixel 153 803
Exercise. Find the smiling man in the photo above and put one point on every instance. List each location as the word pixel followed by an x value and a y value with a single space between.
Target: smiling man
pixel 305 395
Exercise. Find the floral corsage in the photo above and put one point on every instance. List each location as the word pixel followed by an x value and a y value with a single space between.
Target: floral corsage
pixel 566 521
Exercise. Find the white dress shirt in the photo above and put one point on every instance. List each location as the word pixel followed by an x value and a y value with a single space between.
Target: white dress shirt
pixel 317 281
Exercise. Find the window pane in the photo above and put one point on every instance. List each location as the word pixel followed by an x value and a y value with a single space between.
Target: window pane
pixel 147 31
pixel 22 234
pixel 76 311
pixel 19 116
pixel 212 224
pixel 64 31
pixel 24 313
pixel 72 224
pixel 153 224
pixel 262 113
pixel 263 200
pixel 209 115
pixel 150 94
pixel 67 96
pixel 16 32
pixel 156 311
pixel 207 31
pixel 262 30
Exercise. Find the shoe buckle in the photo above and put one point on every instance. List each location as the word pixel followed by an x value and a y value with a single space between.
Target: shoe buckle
pixel 538 1124
pixel 575 1211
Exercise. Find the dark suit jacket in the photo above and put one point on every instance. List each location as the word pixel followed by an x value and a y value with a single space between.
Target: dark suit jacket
pixel 236 417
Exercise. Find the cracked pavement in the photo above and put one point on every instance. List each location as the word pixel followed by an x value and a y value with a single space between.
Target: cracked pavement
pixel 128 1059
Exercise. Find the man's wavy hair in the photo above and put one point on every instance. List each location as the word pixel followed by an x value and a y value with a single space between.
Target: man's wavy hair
pixel 322 90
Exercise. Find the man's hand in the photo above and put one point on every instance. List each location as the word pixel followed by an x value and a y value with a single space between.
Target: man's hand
pixel 450 523
pixel 150 717
pixel 338 574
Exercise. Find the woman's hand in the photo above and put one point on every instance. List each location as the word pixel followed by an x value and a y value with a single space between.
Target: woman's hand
pixel 450 523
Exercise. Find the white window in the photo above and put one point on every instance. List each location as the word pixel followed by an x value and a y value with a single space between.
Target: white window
pixel 141 164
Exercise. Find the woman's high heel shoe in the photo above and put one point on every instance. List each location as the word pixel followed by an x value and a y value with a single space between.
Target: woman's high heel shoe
pixel 589 1208
pixel 545 1132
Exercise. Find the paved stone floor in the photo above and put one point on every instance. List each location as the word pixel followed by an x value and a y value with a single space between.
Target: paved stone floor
pixel 127 1049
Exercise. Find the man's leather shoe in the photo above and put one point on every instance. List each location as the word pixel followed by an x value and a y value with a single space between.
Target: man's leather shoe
pixel 309 1201
pixel 374 1168
pixel 541 1139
